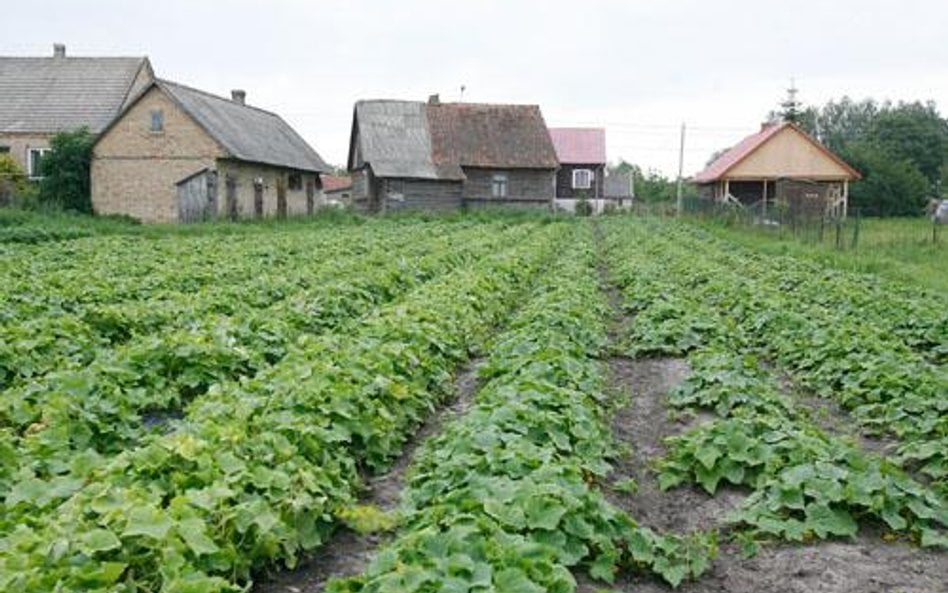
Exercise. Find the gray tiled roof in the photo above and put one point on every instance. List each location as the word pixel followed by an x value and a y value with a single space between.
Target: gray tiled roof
pixel 49 95
pixel 247 133
pixel 396 141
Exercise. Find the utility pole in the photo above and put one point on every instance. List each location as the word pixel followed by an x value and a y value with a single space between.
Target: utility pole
pixel 681 169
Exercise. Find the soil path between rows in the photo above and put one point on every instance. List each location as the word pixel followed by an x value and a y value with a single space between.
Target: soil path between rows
pixel 348 553
pixel 865 564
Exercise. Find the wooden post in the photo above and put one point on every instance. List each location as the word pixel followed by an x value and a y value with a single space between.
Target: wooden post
pixel 856 231
pixel 764 210
pixel 845 198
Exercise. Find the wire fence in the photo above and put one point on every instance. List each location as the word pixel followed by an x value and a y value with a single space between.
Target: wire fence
pixel 853 229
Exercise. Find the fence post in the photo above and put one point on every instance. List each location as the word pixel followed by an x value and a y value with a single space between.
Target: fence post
pixel 839 235
pixel 856 230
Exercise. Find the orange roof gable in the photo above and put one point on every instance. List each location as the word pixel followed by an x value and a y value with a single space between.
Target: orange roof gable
pixel 720 168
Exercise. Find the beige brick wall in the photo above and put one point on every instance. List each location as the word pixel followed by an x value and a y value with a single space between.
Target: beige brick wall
pixel 244 175
pixel 134 170
pixel 19 145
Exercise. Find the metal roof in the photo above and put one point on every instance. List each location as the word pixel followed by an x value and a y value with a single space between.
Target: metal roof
pixel 48 95
pixel 417 140
pixel 247 133
pixel 395 140
pixel 579 146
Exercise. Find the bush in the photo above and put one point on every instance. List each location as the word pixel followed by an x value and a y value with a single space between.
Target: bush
pixel 65 171
pixel 891 186
pixel 13 181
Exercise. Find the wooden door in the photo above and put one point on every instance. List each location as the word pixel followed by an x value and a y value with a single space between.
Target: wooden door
pixel 281 197
pixel 230 185
pixel 258 198
pixel 310 196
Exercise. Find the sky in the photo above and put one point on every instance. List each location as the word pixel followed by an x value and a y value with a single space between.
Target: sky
pixel 637 68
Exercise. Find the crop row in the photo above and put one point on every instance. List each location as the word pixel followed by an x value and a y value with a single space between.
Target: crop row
pixel 806 483
pixel 831 351
pixel 257 473
pixel 33 343
pixel 125 394
pixel 503 500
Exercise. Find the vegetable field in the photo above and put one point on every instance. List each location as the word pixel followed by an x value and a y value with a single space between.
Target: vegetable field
pixel 216 412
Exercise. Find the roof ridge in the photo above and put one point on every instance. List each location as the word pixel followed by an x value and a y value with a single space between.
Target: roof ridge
pixel 215 96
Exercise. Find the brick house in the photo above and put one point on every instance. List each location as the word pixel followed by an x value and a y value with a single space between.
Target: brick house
pixel 435 156
pixel 41 96
pixel 180 154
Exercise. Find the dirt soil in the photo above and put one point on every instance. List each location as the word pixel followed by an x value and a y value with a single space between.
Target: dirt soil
pixel 348 553
pixel 642 425
pixel 865 565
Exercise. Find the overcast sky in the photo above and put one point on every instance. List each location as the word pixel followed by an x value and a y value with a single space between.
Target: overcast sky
pixel 638 68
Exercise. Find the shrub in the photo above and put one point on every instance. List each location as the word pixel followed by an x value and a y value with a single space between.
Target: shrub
pixel 65 171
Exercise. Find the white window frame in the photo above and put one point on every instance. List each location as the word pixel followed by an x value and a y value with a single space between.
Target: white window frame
pixel 29 161
pixel 499 185
pixel 577 173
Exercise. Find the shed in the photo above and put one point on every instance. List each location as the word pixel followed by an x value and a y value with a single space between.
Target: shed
pixel 780 164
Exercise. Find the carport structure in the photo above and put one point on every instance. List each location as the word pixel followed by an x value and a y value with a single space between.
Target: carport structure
pixel 780 164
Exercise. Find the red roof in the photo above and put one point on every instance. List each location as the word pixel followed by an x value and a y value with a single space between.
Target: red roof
pixel 745 147
pixel 580 146
pixel 334 183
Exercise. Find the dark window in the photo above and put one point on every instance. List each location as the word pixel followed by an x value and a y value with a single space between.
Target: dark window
pixel 35 162
pixel 4 150
pixel 295 181
pixel 157 121
pixel 498 186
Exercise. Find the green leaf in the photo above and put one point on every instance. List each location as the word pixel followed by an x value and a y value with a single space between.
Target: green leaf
pixel 514 580
pixel 825 520
pixel 194 533
pixel 147 521
pixel 98 540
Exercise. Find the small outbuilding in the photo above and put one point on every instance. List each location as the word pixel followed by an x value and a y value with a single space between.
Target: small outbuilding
pixel 582 156
pixel 781 165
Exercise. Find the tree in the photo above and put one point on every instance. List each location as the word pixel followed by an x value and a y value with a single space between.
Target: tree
pixel 891 185
pixel 65 170
pixel 914 132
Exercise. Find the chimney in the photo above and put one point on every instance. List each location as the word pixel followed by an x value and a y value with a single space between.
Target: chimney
pixel 59 50
pixel 434 99
pixel 239 96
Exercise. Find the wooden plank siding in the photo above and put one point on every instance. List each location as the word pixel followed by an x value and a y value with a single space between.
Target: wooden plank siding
pixel 564 181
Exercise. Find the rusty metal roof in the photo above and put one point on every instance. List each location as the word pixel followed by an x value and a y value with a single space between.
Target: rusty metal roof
pixel 490 136
pixel 579 146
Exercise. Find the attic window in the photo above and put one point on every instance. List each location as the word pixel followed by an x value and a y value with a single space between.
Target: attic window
pixel 295 181
pixel 498 186
pixel 582 179
pixel 157 121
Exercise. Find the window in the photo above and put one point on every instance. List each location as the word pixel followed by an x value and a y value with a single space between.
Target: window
pixel 498 186
pixel 35 161
pixel 582 178
pixel 157 121
pixel 295 181
pixel 4 150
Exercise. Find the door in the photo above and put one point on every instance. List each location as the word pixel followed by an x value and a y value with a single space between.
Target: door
pixel 281 197
pixel 310 196
pixel 258 198
pixel 230 189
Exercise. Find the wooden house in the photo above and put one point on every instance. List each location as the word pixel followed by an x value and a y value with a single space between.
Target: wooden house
pixel 782 166
pixel 582 156
pixel 434 155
